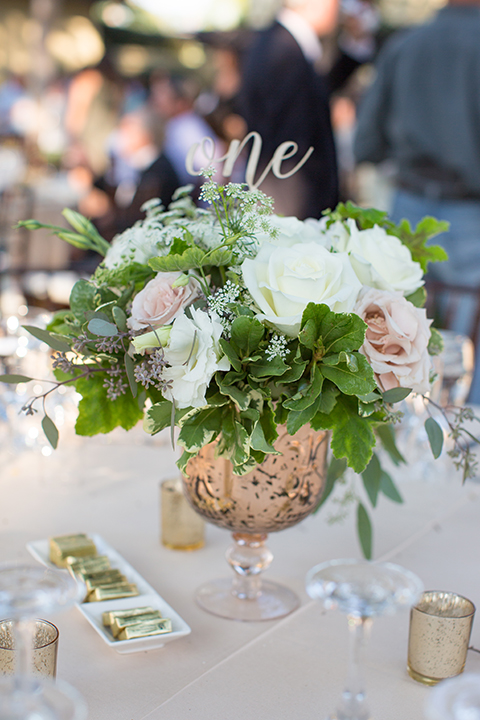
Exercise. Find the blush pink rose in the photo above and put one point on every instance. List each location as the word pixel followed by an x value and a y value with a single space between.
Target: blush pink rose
pixel 159 303
pixel 396 340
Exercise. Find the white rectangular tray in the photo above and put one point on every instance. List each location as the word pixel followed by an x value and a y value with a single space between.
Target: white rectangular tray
pixel 148 596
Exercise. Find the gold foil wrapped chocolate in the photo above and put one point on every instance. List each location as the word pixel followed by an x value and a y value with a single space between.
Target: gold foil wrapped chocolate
pixel 66 546
pixel 109 616
pixel 86 565
pixel 102 579
pixel 119 624
pixel 113 592
pixel 144 629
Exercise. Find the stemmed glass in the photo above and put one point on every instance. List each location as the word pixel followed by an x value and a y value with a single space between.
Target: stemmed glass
pixel 362 590
pixel 457 698
pixel 28 592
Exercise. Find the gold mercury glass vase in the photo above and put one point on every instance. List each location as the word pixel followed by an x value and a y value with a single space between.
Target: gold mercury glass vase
pixel 278 493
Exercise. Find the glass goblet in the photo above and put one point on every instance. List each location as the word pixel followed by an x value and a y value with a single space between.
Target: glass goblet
pixel 362 590
pixel 457 698
pixel 27 592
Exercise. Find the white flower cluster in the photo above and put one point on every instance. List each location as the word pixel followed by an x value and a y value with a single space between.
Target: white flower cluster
pixel 277 347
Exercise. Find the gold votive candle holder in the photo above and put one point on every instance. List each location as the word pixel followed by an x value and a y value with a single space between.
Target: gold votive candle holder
pixel 44 653
pixel 440 628
pixel 181 527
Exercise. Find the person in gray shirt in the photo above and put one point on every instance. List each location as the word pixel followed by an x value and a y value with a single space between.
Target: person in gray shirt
pixel 423 112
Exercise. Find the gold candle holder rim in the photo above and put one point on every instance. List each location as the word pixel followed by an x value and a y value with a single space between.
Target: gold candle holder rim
pixel 446 593
pixel 36 647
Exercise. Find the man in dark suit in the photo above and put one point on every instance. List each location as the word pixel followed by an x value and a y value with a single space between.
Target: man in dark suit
pixel 284 98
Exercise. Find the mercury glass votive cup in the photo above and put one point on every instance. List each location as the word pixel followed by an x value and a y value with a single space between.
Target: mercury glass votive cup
pixel 440 628
pixel 181 527
pixel 44 653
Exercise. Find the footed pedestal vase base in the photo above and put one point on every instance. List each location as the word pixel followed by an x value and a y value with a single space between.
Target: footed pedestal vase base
pixel 273 601
pixel 247 597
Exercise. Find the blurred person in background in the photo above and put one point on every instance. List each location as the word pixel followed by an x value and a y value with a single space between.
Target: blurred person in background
pixel 173 99
pixel 285 98
pixel 139 171
pixel 423 112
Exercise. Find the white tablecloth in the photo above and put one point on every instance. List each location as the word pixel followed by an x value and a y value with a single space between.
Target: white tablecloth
pixel 225 670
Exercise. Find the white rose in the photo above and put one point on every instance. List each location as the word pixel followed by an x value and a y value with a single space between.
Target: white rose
pixel 290 231
pixel 193 355
pixel 382 261
pixel 133 245
pixel 396 340
pixel 335 236
pixel 282 281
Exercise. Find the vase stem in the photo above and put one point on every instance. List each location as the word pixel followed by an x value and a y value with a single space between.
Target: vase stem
pixel 248 557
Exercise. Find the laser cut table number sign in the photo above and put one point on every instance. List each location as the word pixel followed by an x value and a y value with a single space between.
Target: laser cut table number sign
pixel 284 151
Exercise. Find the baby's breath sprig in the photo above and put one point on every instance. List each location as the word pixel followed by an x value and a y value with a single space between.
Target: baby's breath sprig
pixel 277 347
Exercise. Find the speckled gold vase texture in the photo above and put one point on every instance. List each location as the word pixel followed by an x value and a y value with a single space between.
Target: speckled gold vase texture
pixel 277 494
pixel 440 628
pixel 44 654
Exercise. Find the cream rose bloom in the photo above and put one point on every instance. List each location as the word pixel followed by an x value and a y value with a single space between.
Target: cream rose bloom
pixel 193 355
pixel 382 261
pixel 159 302
pixel 290 231
pixel 396 340
pixel 282 281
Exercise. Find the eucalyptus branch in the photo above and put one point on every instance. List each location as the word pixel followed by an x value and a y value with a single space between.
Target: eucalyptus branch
pixel 28 408
pixel 461 453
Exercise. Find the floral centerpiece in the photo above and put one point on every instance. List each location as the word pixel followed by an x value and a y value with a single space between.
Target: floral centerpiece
pixel 230 321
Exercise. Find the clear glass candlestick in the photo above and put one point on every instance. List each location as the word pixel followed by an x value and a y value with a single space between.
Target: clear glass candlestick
pixel 362 590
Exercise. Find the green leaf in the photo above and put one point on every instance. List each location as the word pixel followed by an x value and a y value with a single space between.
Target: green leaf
pixel 396 395
pixel 218 257
pixel 435 436
pixel 389 489
pixel 82 298
pixel 365 217
pixel 129 369
pixel 309 334
pixel 182 462
pixel 247 333
pixel 188 260
pixel 296 420
pixel 157 417
pixel 416 240
pixel 239 397
pixel 268 368
pixel 295 372
pixel 259 442
pixel 234 442
pixel 120 318
pixel 53 341
pixel 99 414
pixel 351 383
pixel 336 469
pixel 201 429
pixel 435 344
pixel 308 396
pixel 100 327
pixel 14 378
pixel 418 298
pixel 371 478
pixel 364 530
pixel 352 436
pixel 386 433
pixel 231 354
pixel 50 430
